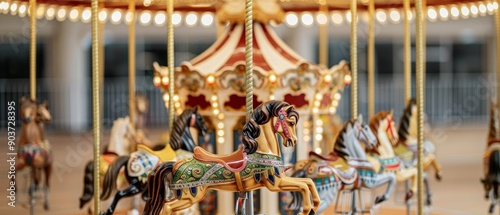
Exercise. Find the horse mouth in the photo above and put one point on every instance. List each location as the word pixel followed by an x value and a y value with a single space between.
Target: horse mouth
pixel 289 142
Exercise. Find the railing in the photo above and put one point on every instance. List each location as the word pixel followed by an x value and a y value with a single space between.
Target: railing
pixel 450 99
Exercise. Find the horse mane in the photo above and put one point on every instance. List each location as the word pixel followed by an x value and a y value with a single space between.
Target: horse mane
pixel 339 147
pixel 374 125
pixel 404 123
pixel 260 116
pixel 179 125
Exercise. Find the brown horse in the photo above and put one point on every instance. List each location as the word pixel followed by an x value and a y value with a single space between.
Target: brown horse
pixel 34 150
pixel 491 160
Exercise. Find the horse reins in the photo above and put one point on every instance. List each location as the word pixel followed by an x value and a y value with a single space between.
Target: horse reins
pixel 281 121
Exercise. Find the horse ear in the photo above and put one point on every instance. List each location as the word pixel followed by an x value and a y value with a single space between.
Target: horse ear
pixel 195 109
pixel 287 108
pixel 360 119
pixel 45 104
pixel 23 99
pixel 392 112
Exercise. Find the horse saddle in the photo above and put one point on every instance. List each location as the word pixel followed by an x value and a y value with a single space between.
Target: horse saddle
pixel 361 164
pixel 315 156
pixel 165 154
pixel 234 162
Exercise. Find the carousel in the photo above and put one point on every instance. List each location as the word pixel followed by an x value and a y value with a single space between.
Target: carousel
pixel 251 122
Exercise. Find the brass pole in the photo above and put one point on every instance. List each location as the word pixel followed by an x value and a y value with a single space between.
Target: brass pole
pixel 420 68
pixel 371 59
pixel 33 49
pixel 354 60
pixel 170 62
pixel 249 79
pixel 131 68
pixel 96 103
pixel 100 41
pixel 497 28
pixel 407 50
pixel 323 39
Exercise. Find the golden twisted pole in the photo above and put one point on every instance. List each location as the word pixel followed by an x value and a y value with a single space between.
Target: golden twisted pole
pixel 371 59
pixel 96 104
pixel 131 67
pixel 170 62
pixel 323 37
pixel 249 79
pixel 407 50
pixel 497 28
pixel 420 68
pixel 354 59
pixel 33 49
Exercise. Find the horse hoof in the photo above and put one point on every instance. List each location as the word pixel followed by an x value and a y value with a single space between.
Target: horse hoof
pixel 439 176
pixel 312 212
pixel 408 195
pixel 428 202
pixel 379 199
pixel 46 206
pixel 492 208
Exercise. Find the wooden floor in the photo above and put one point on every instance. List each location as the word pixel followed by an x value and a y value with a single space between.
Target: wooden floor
pixel 459 148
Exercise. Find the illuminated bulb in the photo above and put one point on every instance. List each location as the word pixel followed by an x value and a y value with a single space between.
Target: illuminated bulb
pixel 272 97
pixel 216 111
pixel 318 150
pixel 455 12
pixel 495 5
pixel 291 19
pixel 319 96
pixel 321 18
pixel 103 16
pixel 272 78
pixel 176 18
pixel 220 125
pixel 157 80
pixel 307 19
pixel 214 98
pixel 13 8
pixel 73 15
pixel 22 10
pixel 337 96
pixel 307 138
pixel 318 122
pixel 482 9
pixel 191 19
pixel 220 132
pixel 337 18
pixel 85 15
pixel 128 17
pixel 177 104
pixel 395 16
pixel 316 103
pixel 432 14
pixel 474 11
pixel 381 16
pixel 211 79
pixel 160 18
pixel 6 7
pixel 328 79
pixel 318 137
pixel 443 12
pixel 207 19
pixel 306 131
pixel 465 11
pixel 220 116
pixel 335 103
pixel 333 110
pixel 165 97
pixel 51 12
pixel 220 139
pixel 410 15
pixel 348 16
pixel 315 110
pixel 319 129
pixel 215 104
pixel 176 97
pixel 347 79
pixel 145 18
pixel 61 14
pixel 116 16
pixel 164 81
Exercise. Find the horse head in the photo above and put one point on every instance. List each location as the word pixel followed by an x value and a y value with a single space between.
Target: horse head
pixel 285 125
pixel 43 114
pixel 363 133
pixel 198 122
pixel 28 110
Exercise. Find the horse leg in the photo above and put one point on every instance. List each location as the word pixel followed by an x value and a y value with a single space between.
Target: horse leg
pixel 186 201
pixel 385 178
pixel 311 186
pixel 406 174
pixel 48 171
pixel 127 192
pixel 428 191
pixel 291 184
pixel 437 168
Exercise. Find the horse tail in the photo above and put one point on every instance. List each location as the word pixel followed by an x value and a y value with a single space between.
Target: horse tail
pixel 296 201
pixel 494 167
pixel 88 184
pixel 157 188
pixel 109 183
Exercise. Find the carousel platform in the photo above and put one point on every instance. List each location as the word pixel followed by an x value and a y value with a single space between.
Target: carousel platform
pixel 459 151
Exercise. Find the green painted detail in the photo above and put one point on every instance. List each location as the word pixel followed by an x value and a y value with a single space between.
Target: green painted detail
pixel 195 173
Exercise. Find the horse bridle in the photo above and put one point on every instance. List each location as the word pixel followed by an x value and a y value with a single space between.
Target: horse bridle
pixel 282 115
pixel 389 127
pixel 360 131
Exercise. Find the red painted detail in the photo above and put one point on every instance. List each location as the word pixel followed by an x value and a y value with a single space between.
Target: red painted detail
pixel 217 48
pixel 298 101
pixel 237 102
pixel 200 101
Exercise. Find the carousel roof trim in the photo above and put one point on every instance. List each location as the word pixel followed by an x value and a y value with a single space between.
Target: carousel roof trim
pixel 192 16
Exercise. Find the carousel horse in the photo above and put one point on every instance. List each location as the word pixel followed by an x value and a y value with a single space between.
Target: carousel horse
pixel 406 147
pixel 34 150
pixel 491 160
pixel 121 138
pixel 383 157
pixel 140 163
pixel 257 164
pixel 345 169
